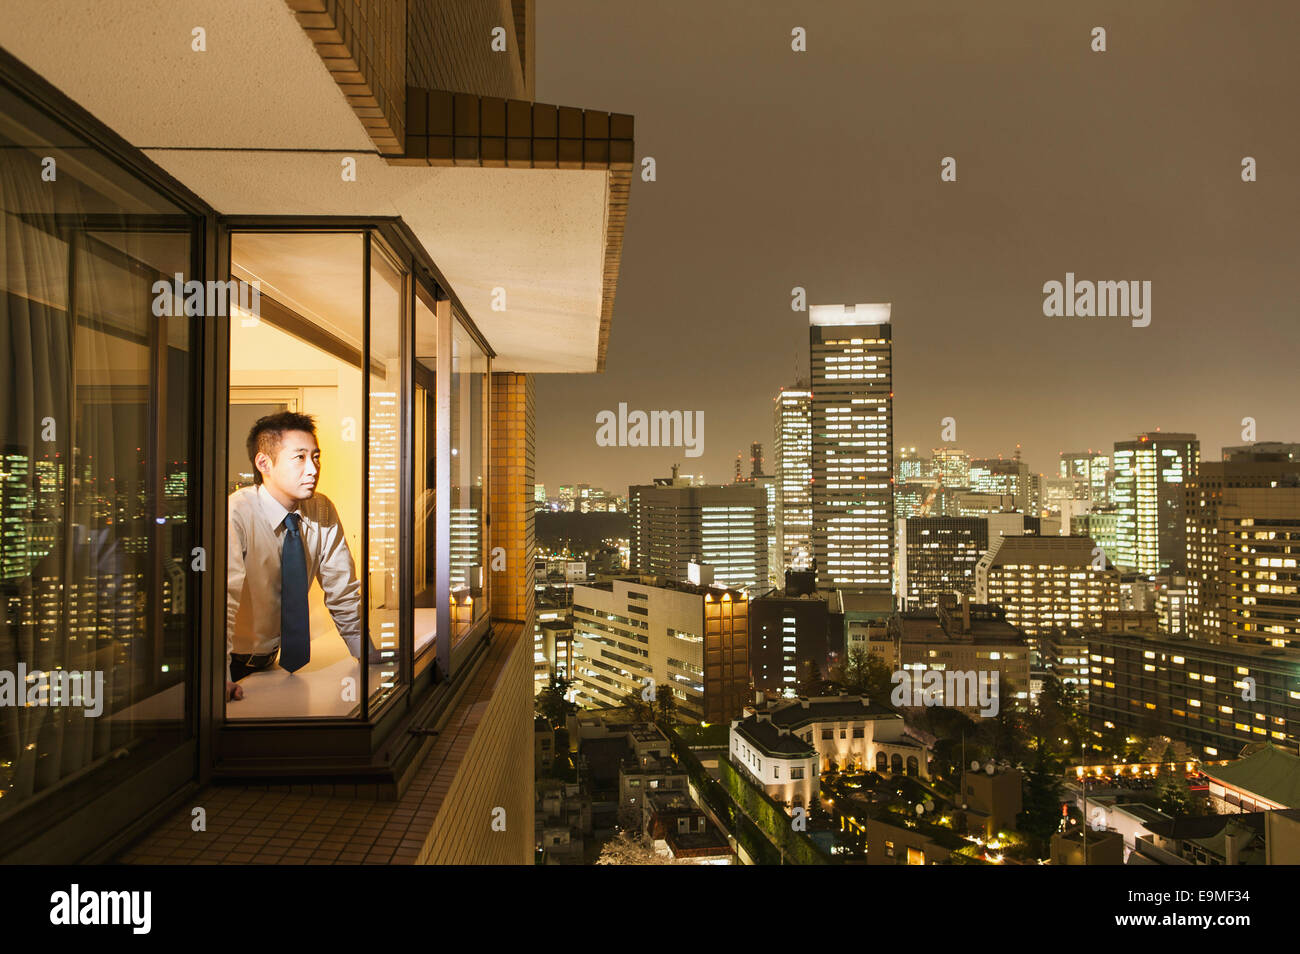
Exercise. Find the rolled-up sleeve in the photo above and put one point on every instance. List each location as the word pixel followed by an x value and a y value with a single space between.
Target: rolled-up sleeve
pixel 236 545
pixel 338 580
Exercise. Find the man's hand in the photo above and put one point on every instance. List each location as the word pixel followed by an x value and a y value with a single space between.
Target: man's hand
pixel 234 691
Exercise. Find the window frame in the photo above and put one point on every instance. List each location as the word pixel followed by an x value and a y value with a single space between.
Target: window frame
pixel 78 819
pixel 324 747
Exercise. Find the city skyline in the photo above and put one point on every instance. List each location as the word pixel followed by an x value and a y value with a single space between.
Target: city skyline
pixel 1130 169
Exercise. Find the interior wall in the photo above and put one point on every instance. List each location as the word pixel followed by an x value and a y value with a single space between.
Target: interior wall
pixel 266 357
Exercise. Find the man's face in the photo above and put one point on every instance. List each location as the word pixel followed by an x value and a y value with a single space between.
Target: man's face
pixel 296 467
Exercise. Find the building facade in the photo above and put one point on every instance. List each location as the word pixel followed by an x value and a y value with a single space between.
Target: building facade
pixel 675 523
pixel 792 427
pixel 1151 477
pixel 853 446
pixel 1047 583
pixel 634 635
pixel 173 277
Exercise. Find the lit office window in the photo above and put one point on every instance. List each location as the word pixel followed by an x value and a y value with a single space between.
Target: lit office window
pixel 468 484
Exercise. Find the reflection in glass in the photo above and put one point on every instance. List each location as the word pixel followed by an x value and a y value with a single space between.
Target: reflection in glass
pixel 385 452
pixel 425 536
pixel 468 407
pixel 96 518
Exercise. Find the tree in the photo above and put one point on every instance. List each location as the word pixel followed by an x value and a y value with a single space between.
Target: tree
pixel 1042 802
pixel 628 849
pixel 665 708
pixel 866 675
pixel 811 683
pixel 636 703
pixel 1173 794
pixel 553 704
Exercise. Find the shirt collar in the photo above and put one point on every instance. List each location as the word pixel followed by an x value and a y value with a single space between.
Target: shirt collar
pixel 272 511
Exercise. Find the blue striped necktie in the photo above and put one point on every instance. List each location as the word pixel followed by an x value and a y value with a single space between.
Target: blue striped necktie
pixel 295 629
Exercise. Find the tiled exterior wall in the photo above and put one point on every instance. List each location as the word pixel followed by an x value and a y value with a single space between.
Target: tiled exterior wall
pixel 375 48
pixel 363 45
pixel 462 129
pixel 450 47
pixel 493 764
pixel 511 470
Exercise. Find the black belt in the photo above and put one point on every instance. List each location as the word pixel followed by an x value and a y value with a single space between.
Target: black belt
pixel 255 660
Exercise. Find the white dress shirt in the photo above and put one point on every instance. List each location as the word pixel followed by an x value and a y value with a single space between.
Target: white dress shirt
pixel 256 534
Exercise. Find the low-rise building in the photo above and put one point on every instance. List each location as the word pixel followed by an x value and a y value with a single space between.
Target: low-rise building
pixel 562 821
pixel 785 748
pixel 1257 838
pixel 1265 779
pixel 1102 847
pixel 679 830
pixel 892 842
pixel 962 640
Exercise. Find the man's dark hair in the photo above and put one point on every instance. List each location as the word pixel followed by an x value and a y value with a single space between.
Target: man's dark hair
pixel 268 432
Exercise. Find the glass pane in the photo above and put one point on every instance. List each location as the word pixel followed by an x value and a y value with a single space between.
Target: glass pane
pixel 387 300
pixel 468 405
pixel 296 351
pixel 425 543
pixel 96 522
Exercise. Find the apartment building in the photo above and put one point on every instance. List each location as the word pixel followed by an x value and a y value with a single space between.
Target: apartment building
pixel 309 215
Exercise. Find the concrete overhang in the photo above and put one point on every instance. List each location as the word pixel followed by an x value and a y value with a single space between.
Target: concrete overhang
pixel 256 125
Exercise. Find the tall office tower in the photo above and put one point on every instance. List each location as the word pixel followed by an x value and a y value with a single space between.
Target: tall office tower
pixel 1103 481
pixel 853 446
pixel 1056 491
pixel 1006 476
pixel 937 555
pixel 539 496
pixel 793 434
pixel 767 484
pixel 915 499
pixel 1209 577
pixel 1046 583
pixel 911 466
pixel 1258 599
pixel 756 459
pixel 674 524
pixel 1151 475
pixel 692 640
pixel 1100 525
pixel 951 467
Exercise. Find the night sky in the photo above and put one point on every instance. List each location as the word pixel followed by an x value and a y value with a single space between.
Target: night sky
pixel 822 169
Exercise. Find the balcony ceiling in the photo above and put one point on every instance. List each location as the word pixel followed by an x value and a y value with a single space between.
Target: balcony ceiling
pixel 256 125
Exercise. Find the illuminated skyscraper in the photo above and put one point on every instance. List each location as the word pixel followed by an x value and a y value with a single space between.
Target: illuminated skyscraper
pixel 1151 474
pixel 951 467
pixel 853 446
pixel 793 433
pixel 675 523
